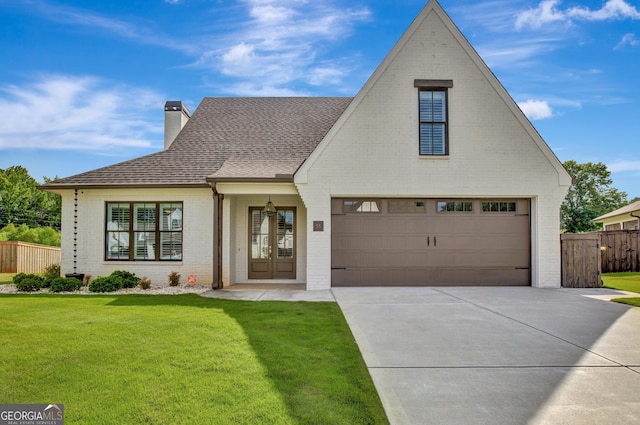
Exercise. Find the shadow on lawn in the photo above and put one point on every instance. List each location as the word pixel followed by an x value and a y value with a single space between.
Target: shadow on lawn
pixel 307 349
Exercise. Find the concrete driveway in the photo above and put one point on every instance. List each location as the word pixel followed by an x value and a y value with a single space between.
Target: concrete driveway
pixel 498 355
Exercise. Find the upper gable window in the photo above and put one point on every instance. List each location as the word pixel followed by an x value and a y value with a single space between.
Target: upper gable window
pixel 432 102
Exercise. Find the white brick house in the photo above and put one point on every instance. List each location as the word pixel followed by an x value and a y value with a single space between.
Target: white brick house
pixel 430 175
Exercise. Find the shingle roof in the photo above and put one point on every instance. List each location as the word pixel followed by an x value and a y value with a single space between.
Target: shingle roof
pixel 228 138
pixel 632 207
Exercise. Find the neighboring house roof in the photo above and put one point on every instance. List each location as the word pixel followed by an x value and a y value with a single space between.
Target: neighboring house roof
pixel 627 209
pixel 226 139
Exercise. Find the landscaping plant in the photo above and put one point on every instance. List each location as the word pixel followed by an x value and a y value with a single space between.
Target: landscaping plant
pixel 174 279
pixel 117 280
pixel 144 283
pixel 129 280
pixel 65 284
pixel 29 282
pixel 105 284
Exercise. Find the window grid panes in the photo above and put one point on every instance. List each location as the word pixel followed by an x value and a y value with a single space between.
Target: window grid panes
pixel 259 235
pixel 499 206
pixel 285 235
pixel 454 206
pixel 433 122
pixel 118 231
pixel 144 231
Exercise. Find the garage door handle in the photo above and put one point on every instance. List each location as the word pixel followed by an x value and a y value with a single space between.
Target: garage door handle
pixel 428 240
pixel 435 241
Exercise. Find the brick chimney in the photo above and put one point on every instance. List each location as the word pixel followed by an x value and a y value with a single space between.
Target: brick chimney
pixel 176 116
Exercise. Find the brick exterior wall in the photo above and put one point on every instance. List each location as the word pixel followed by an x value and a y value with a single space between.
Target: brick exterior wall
pixel 197 234
pixel 493 151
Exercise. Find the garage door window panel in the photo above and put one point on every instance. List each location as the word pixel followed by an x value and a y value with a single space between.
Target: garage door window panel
pixel 499 206
pixel 455 206
pixel 361 206
pixel 406 206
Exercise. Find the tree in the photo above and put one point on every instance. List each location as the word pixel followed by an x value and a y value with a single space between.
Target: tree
pixel 40 235
pixel 591 195
pixel 22 203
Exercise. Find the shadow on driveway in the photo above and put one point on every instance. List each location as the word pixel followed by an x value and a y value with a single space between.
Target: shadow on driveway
pixel 498 355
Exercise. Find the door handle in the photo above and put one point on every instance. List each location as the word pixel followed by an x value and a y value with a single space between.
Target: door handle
pixel 428 240
pixel 435 241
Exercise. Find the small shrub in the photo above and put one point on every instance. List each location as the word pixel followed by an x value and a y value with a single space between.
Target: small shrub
pixel 52 270
pixel 105 284
pixel 144 283
pixel 174 279
pixel 129 280
pixel 28 282
pixel 65 284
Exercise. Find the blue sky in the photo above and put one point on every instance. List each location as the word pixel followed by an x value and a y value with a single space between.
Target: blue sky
pixel 83 83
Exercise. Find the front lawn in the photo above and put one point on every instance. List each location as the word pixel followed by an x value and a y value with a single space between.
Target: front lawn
pixel 627 281
pixel 154 359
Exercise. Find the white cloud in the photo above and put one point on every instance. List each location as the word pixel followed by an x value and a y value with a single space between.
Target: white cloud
pixel 80 113
pixel 548 12
pixel 282 43
pixel 629 39
pixel 173 1
pixel 624 166
pixel 135 30
pixel 536 109
pixel 612 9
pixel 326 75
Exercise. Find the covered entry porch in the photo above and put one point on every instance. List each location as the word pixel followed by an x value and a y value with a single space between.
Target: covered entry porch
pixel 255 245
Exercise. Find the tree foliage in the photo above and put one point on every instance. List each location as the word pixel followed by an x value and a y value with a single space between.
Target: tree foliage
pixel 24 233
pixel 21 202
pixel 591 195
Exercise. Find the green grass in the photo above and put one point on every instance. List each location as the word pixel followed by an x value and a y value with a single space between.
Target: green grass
pixel 627 281
pixel 145 359
pixel 6 278
pixel 630 301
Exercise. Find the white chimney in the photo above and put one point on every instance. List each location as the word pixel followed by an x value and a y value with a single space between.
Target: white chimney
pixel 176 116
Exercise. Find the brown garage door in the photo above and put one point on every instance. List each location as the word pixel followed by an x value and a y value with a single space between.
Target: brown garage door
pixel 430 242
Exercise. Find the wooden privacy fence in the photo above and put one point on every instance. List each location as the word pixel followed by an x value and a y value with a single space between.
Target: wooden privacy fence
pixel 586 255
pixel 23 257
pixel 620 250
pixel 581 260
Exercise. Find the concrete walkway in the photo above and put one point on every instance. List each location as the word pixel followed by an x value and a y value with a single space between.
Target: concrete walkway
pixel 498 355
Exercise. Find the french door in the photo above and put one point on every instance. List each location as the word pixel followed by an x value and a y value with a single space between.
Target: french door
pixel 272 244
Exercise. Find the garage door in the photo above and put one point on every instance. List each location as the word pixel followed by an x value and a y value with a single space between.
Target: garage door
pixel 430 242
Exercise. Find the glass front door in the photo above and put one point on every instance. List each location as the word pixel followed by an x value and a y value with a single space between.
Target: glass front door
pixel 272 247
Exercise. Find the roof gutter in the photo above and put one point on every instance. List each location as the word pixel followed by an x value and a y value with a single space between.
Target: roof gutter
pixel 279 178
pixel 50 187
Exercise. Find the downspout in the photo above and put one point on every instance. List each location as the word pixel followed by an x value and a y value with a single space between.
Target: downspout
pixel 217 238
pixel 75 232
